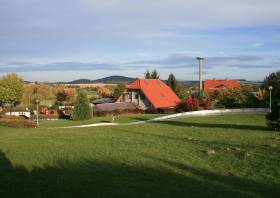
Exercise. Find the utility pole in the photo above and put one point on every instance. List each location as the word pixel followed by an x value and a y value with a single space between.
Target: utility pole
pixel 200 59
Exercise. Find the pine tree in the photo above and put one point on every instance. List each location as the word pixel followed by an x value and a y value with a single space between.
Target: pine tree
pixel 148 74
pixel 172 82
pixel 155 74
pixel 82 108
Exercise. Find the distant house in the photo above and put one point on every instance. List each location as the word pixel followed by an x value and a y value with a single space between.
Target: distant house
pixel 212 85
pixel 149 94
pixel 20 111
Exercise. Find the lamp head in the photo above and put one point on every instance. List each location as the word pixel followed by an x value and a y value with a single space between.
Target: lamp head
pixel 270 88
pixel 37 101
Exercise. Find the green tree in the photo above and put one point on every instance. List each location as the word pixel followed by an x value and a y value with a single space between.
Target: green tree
pixel 182 91
pixel 147 74
pixel 118 91
pixel 82 108
pixel 11 89
pixel 155 74
pixel 273 118
pixel 172 82
pixel 274 81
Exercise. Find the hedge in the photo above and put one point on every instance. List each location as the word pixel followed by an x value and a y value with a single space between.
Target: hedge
pixel 15 121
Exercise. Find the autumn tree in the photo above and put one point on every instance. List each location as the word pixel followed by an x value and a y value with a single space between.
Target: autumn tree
pixel 104 91
pixel 62 97
pixel 11 89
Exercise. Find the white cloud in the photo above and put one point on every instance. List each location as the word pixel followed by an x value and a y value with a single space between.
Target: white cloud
pixel 257 45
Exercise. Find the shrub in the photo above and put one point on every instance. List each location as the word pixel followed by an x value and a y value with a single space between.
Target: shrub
pixel 182 107
pixel 82 108
pixel 15 121
pixel 190 104
pixel 245 97
pixel 119 112
pixel 273 118
pixel 182 91
pixel 207 104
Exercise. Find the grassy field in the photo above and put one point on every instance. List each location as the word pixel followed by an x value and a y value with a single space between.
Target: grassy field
pixel 103 119
pixel 167 159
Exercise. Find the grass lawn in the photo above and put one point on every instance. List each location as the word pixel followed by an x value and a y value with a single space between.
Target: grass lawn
pixel 166 159
pixel 103 119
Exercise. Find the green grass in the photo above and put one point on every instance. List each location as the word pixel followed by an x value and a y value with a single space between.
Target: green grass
pixel 103 119
pixel 165 159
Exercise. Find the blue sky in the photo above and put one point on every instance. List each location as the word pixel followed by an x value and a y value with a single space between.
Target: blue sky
pixel 63 40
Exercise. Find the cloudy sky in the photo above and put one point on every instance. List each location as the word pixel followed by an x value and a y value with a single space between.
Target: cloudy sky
pixel 61 40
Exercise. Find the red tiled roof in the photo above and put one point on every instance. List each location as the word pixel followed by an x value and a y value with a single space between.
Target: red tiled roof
pixel 156 91
pixel 217 84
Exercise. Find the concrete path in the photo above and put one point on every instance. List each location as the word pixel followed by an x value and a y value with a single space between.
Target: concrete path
pixel 180 115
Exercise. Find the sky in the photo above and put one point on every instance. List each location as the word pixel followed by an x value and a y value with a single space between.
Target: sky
pixel 64 40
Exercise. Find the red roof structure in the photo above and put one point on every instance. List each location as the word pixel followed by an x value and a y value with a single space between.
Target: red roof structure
pixel 157 92
pixel 218 84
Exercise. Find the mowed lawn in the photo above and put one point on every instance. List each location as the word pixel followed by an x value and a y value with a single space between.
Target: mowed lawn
pixel 165 159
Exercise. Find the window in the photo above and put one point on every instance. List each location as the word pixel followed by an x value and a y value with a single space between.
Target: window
pixel 142 96
pixel 136 96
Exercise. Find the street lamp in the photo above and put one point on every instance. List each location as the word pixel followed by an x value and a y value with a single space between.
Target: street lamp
pixel 270 90
pixel 37 102
pixel 200 59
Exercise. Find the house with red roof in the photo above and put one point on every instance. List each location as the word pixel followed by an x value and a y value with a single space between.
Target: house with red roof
pixel 149 94
pixel 213 85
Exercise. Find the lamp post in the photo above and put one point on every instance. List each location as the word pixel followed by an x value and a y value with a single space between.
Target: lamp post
pixel 200 59
pixel 270 90
pixel 37 102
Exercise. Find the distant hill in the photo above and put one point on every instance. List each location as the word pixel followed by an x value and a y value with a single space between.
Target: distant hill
pixel 80 81
pixel 114 79
pixel 106 80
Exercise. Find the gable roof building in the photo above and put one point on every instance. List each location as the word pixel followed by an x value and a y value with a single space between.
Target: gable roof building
pixel 150 94
pixel 212 85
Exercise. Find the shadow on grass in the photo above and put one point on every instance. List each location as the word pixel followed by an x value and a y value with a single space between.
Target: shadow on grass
pixel 212 125
pixel 103 179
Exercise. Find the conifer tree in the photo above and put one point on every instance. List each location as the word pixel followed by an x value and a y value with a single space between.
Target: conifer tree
pixel 82 108
pixel 155 74
pixel 172 82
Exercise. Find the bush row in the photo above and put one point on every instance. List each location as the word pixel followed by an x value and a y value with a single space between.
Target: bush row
pixel 193 104
pixel 15 121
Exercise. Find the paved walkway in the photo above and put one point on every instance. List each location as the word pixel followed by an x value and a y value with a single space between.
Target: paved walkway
pixel 180 115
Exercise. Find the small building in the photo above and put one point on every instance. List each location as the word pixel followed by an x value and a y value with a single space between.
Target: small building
pixel 149 94
pixel 115 108
pixel 213 85
pixel 103 101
